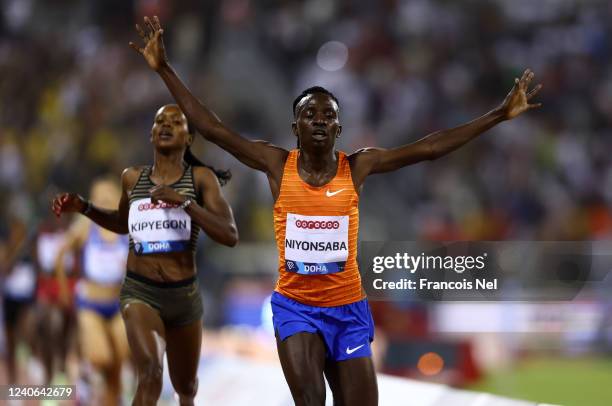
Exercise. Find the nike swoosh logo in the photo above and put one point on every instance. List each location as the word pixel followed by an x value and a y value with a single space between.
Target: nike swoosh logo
pixel 330 194
pixel 349 351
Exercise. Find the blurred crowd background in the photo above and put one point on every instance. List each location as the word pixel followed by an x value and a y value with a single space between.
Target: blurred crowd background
pixel 77 103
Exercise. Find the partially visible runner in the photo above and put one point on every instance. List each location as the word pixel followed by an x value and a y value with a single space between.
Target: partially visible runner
pixel 321 316
pixel 163 207
pixel 101 333
pixel 55 320
pixel 19 293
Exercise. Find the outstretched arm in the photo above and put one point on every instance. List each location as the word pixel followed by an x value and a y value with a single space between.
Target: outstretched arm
pixel 435 145
pixel 113 220
pixel 258 155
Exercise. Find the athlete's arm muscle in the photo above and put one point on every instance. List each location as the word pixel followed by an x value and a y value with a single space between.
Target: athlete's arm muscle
pixel 117 220
pixel 112 220
pixel 215 217
pixel 259 155
pixel 378 160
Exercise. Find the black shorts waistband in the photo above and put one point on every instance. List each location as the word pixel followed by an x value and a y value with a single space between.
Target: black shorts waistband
pixel 158 284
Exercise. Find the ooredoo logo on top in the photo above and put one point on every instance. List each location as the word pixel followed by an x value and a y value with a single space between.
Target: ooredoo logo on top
pixel 317 225
pixel 154 206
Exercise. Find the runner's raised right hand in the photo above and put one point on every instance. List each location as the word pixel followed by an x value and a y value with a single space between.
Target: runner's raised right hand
pixel 153 51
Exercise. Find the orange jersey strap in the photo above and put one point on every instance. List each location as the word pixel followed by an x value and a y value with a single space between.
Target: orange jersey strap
pixel 316 230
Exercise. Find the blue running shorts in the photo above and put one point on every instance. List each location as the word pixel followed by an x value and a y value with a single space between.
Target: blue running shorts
pixel 347 330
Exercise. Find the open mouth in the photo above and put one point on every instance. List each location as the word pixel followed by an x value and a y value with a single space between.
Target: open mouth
pixel 165 135
pixel 319 135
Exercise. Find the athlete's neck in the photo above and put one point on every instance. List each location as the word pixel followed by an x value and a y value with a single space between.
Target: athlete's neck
pixel 317 163
pixel 167 167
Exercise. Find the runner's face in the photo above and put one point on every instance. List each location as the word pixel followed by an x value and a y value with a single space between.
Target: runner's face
pixel 317 125
pixel 170 129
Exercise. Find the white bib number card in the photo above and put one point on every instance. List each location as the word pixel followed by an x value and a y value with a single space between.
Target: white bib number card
pixel 316 245
pixel 158 227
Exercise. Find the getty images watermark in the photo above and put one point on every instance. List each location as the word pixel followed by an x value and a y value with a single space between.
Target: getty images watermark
pixel 425 262
pixel 501 270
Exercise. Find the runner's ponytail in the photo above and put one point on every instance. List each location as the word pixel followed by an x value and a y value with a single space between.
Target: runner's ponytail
pixel 189 158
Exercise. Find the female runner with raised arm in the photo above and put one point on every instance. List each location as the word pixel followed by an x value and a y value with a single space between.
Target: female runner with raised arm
pixel 320 313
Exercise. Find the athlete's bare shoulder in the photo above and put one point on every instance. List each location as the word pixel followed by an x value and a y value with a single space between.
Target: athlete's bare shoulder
pixel 203 175
pixel 130 175
pixel 364 153
pixel 275 156
pixel 362 161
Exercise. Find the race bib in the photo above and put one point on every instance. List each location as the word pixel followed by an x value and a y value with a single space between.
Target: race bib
pixel 158 227
pixel 316 245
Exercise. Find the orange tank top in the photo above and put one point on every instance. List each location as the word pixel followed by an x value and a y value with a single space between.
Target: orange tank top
pixel 316 233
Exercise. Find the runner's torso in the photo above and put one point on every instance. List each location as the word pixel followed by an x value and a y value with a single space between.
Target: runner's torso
pixel 162 236
pixel 316 232
pixel 104 261
pixel 103 265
